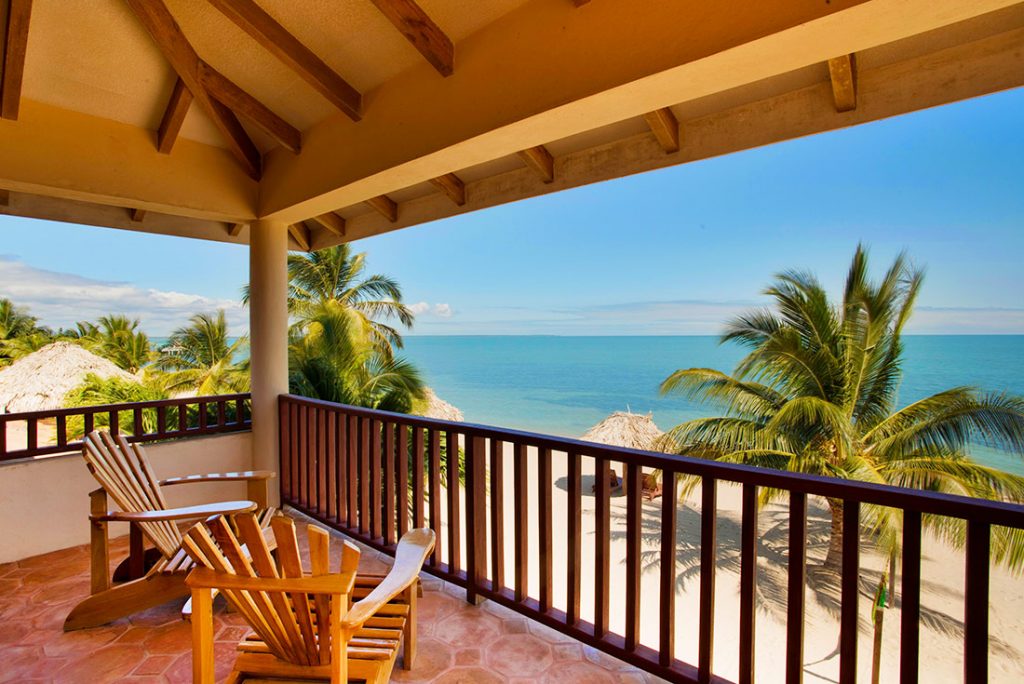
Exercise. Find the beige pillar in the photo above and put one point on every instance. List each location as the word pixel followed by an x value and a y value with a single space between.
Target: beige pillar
pixel 268 339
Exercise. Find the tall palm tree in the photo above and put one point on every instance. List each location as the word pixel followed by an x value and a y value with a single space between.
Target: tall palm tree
pixel 817 393
pixel 95 390
pixel 337 275
pixel 19 333
pixel 331 358
pixel 116 338
pixel 201 358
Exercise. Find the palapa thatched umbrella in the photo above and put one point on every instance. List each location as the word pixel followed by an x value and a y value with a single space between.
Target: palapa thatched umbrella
pixel 439 408
pixel 632 431
pixel 40 380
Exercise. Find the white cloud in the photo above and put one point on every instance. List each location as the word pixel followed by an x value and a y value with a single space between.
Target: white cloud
pixel 440 310
pixel 443 310
pixel 60 299
pixel 419 308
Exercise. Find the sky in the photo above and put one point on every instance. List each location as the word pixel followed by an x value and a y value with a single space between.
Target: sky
pixel 673 251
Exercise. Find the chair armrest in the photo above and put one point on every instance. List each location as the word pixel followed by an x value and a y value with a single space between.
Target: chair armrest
pixel 245 475
pixel 184 513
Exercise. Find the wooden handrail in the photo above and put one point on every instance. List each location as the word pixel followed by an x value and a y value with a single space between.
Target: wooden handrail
pixel 213 415
pixel 372 474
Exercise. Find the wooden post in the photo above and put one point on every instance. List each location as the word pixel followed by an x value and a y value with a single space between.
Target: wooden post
pixel 98 546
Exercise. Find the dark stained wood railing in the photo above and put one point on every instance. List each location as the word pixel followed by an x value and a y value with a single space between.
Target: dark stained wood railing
pixel 144 421
pixel 372 474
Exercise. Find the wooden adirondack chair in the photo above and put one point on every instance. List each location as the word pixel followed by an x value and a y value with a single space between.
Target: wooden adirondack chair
pixel 304 626
pixel 150 578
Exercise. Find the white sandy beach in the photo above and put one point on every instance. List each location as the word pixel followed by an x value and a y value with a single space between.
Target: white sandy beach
pixel 941 600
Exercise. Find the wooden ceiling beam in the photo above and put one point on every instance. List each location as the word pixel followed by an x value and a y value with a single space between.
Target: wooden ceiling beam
pixel 842 71
pixel 240 102
pixel 665 126
pixel 137 215
pixel 276 39
pixel 301 235
pixel 540 160
pixel 5 198
pixel 235 229
pixel 420 30
pixel 387 207
pixel 580 3
pixel 173 118
pixel 19 12
pixel 332 222
pixel 451 185
pixel 169 39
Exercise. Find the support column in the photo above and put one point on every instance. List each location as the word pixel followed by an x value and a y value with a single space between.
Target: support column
pixel 268 340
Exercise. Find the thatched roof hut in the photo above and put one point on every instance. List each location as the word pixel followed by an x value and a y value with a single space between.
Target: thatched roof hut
pixel 625 429
pixel 40 381
pixel 440 409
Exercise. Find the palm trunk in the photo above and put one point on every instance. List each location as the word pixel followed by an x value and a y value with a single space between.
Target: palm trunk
pixel 834 558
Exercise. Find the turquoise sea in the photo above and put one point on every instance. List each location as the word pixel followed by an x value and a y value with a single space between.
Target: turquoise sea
pixel 564 385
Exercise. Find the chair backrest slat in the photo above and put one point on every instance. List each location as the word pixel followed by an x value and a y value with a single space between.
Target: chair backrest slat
pixel 291 566
pixel 320 563
pixel 125 473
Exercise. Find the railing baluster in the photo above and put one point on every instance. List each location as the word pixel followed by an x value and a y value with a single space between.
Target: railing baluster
pixel 419 500
pixel 910 598
pixel 633 486
pixel 303 455
pixel 296 467
pixel 62 431
pixel 976 589
pixel 328 456
pixel 222 414
pixel 182 418
pixel 389 483
pixel 574 536
pixel 3 435
pixel 352 479
pixel 520 502
pixel 667 597
pixel 137 429
pixel 434 464
pixel 708 558
pixel 454 505
pixel 544 526
pixel 364 475
pixel 240 411
pixel 497 480
pixel 748 583
pixel 284 440
pixel 797 564
pixel 602 543
pixel 161 420
pixel 476 515
pixel 376 483
pixel 113 424
pixel 340 457
pixel 849 592
pixel 403 479
pixel 202 416
pixel 31 434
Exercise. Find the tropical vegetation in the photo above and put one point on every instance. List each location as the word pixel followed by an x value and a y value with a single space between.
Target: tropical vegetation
pixel 817 392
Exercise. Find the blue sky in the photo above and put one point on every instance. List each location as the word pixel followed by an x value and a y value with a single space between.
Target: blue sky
pixel 674 251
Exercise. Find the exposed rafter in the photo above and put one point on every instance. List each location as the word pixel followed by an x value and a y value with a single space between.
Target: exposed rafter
pixel 842 72
pixel 5 198
pixel 665 126
pixel 580 3
pixel 332 222
pixel 540 160
pixel 174 117
pixel 241 102
pixel 421 31
pixel 451 185
pixel 301 235
pixel 387 207
pixel 15 44
pixel 275 38
pixel 235 229
pixel 138 215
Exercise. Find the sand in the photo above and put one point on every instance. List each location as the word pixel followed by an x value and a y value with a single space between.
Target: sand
pixel 941 600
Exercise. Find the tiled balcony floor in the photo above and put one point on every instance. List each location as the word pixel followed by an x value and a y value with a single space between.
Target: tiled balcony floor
pixel 458 642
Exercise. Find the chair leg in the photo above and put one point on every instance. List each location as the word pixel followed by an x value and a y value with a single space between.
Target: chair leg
pixel 126 599
pixel 409 631
pixel 99 546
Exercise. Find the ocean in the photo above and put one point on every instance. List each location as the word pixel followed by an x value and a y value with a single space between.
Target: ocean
pixel 564 385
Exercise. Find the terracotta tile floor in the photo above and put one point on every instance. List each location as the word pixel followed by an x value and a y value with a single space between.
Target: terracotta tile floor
pixel 459 643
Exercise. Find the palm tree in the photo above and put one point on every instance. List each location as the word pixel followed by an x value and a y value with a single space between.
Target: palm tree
pixel 117 339
pixel 95 391
pixel 332 358
pixel 200 358
pixel 336 275
pixel 817 394
pixel 19 333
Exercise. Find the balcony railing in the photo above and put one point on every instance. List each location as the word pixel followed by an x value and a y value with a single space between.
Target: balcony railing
pixel 373 474
pixel 144 421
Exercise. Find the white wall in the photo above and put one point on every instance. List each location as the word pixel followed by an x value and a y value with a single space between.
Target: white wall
pixel 44 503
